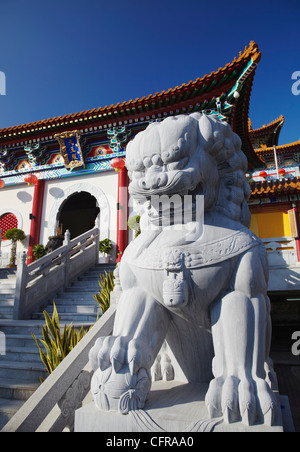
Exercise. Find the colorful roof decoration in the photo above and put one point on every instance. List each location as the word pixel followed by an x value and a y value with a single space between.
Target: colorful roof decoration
pixel 289 150
pixel 275 187
pixel 266 135
pixel 225 92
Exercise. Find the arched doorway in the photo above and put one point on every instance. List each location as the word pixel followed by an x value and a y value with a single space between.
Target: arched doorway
pixel 102 222
pixel 78 214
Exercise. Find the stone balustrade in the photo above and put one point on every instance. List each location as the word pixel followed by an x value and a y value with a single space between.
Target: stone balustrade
pixel 44 278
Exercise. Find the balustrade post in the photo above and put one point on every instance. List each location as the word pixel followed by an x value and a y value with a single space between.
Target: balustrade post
pixel 67 238
pixel 66 242
pixel 97 240
pixel 21 282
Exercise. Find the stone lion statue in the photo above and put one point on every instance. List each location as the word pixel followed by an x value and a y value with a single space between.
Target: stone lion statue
pixel 194 303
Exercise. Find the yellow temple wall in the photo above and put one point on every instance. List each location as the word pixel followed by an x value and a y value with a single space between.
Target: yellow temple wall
pixel 270 224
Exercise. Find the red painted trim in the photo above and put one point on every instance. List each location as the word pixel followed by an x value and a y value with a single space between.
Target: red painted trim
pixel 122 213
pixel 35 226
pixel 297 240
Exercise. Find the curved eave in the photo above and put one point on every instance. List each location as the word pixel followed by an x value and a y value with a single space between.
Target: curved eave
pixel 197 95
pixel 267 134
pixel 275 187
pixel 240 123
pixel 282 149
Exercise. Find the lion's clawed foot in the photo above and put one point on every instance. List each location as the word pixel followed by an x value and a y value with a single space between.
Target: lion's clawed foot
pixel 119 351
pixel 247 400
pixel 122 378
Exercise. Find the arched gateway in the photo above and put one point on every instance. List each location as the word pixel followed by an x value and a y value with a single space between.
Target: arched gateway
pixel 82 207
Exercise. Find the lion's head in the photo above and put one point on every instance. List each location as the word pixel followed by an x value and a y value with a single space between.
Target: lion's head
pixel 191 154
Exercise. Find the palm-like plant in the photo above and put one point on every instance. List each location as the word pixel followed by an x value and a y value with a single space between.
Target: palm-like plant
pixel 57 344
pixel 106 284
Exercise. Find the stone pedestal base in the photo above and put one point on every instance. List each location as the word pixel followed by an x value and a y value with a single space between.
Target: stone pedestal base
pixel 172 407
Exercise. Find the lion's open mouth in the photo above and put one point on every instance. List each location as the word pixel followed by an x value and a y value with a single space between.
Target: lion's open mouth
pixel 177 182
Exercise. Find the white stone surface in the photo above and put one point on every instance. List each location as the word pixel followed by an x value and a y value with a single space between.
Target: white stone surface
pixel 194 305
pixel 171 407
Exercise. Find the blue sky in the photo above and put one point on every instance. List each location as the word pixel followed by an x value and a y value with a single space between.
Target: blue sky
pixel 60 56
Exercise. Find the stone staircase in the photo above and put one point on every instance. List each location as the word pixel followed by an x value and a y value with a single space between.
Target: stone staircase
pixel 7 292
pixel 21 366
pixel 76 303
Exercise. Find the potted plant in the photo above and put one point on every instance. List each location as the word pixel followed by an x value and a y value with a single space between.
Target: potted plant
pixel 105 247
pixel 15 235
pixel 39 251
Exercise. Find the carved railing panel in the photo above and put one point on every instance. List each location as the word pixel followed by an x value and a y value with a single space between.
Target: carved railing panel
pixel 281 251
pixel 41 280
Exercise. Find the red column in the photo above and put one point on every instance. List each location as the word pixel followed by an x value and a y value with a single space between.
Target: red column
pixel 297 239
pixel 122 213
pixel 35 227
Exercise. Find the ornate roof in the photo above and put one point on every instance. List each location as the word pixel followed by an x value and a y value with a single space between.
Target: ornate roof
pixel 290 148
pixel 226 91
pixel 275 187
pixel 267 134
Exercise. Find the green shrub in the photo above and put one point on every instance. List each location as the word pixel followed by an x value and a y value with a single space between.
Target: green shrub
pixel 105 246
pixel 39 251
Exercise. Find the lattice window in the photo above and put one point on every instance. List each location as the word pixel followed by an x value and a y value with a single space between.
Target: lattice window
pixel 7 221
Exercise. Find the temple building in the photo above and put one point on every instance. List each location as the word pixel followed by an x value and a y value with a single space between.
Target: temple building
pixel 60 173
pixel 67 160
pixel 68 174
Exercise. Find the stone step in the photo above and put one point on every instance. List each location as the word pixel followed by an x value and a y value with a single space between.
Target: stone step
pixel 21 354
pixel 8 273
pixel 90 277
pixel 76 296
pixel 74 309
pixel 16 389
pixel 71 312
pixel 88 280
pixel 66 319
pixel 8 283
pixel 81 290
pixel 7 296
pixel 22 327
pixel 73 301
pixel 7 289
pixel 8 409
pixel 6 307
pixel 7 302
pixel 18 340
pixel 21 367
pixel 6 313
pixel 22 370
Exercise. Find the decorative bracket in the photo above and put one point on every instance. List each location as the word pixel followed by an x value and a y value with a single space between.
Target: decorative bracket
pixel 6 159
pixel 35 154
pixel 118 138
